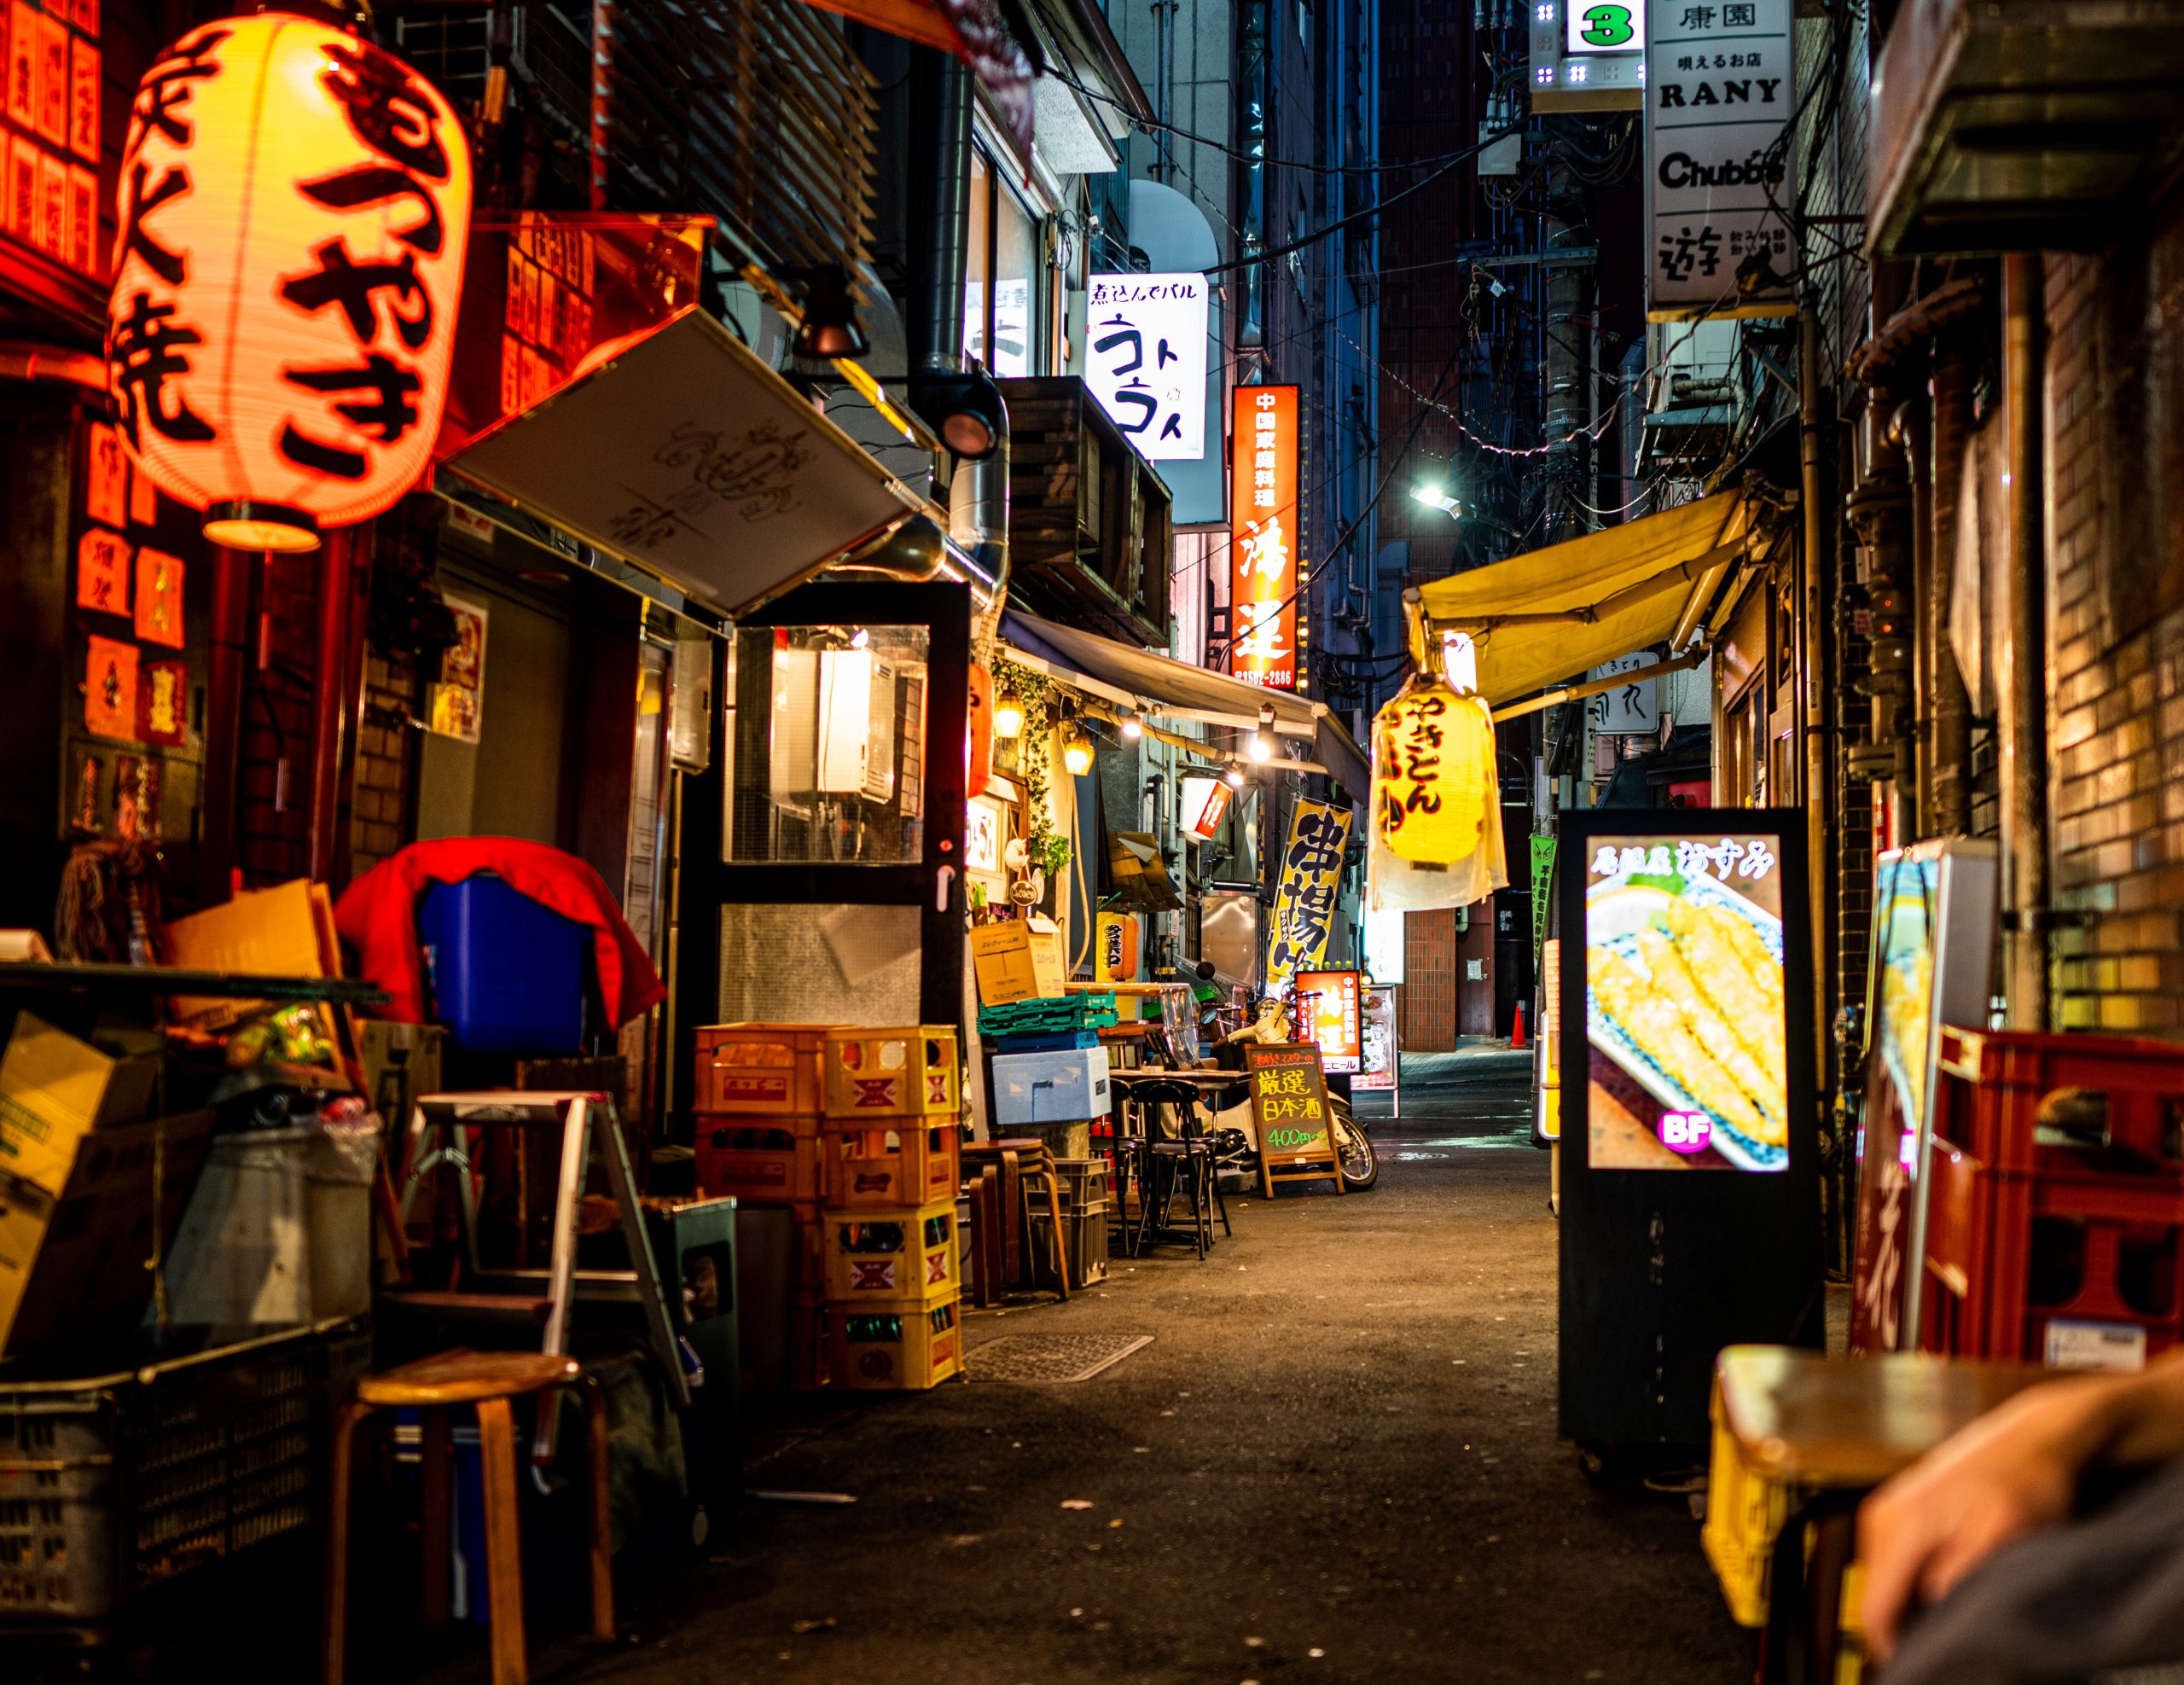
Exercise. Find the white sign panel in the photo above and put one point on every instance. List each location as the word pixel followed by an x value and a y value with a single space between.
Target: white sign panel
pixel 1145 360
pixel 1720 169
pixel 1628 709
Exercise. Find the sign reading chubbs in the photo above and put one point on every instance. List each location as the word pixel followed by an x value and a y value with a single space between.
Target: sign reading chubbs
pixel 1289 1106
pixel 1720 179
pixel 294 207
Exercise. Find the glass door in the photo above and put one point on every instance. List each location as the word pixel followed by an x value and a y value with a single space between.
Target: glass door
pixel 823 849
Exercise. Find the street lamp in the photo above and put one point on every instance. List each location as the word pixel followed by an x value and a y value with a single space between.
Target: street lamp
pixel 1435 499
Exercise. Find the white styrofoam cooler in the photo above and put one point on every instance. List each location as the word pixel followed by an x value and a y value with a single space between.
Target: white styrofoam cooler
pixel 1050 1087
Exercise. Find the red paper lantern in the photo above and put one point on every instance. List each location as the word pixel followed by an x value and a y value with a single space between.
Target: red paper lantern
pixel 979 735
pixel 294 204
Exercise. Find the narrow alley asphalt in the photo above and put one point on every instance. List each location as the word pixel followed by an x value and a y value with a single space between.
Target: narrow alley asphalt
pixel 1335 1462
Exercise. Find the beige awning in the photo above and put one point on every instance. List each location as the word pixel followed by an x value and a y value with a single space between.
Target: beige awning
pixel 1159 684
pixel 1549 614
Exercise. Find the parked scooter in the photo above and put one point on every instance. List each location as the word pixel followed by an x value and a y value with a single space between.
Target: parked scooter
pixel 1235 1132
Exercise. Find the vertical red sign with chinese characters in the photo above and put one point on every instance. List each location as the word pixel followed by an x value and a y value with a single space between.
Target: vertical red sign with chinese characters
pixel 49 133
pixel 1264 562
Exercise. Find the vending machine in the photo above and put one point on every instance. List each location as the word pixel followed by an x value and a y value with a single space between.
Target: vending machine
pixel 1690 1187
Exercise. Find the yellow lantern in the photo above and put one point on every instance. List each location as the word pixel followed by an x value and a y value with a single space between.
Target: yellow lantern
pixel 294 207
pixel 1434 776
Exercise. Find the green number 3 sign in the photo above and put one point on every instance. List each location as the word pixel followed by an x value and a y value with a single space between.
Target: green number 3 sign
pixel 1606 26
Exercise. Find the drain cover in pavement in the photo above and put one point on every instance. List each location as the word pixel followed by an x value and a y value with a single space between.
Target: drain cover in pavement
pixel 1049 1357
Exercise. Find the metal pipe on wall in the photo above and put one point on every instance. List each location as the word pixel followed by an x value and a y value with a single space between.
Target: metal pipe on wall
pixel 1949 718
pixel 2024 771
pixel 1915 433
pixel 335 565
pixel 1815 616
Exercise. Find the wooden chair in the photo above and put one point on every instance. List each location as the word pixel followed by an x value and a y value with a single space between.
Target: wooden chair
pixel 434 1387
pixel 1004 1174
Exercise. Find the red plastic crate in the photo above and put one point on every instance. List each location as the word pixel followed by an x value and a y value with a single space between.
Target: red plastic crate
pixel 2027 1228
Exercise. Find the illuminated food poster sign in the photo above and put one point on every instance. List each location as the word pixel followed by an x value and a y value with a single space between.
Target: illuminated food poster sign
pixel 1686 1017
pixel 1330 1006
pixel 1934 919
pixel 1263 562
pixel 1145 360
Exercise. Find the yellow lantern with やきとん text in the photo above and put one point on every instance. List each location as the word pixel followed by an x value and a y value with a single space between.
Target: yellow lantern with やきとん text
pixel 1434 777
pixel 294 203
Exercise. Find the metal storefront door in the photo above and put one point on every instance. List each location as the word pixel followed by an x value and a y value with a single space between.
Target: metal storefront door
pixel 823 852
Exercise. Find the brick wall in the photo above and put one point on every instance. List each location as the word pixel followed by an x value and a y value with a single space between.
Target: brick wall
pixel 2115 631
pixel 379 815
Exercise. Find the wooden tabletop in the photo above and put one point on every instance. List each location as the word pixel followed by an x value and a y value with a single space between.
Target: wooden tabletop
pixel 465 1377
pixel 1852 1421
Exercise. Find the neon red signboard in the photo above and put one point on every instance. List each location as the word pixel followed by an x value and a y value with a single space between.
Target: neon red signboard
pixel 1264 574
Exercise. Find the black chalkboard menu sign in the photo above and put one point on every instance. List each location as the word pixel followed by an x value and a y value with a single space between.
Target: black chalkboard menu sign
pixel 1289 1109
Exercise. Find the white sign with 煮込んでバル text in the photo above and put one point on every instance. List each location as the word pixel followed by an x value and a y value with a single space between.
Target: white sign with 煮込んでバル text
pixel 1145 360
pixel 1720 170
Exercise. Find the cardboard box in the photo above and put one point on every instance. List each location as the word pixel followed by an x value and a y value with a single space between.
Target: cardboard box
pixel 284 932
pixel 401 1061
pixel 1017 960
pixel 72 1261
pixel 1050 1087
pixel 54 1090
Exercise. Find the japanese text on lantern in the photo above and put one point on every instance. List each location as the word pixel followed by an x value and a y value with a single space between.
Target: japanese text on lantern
pixel 294 205
pixel 1309 884
pixel 1264 576
pixel 49 131
pixel 1433 773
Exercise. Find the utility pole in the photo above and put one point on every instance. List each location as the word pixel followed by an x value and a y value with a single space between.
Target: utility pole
pixel 1569 364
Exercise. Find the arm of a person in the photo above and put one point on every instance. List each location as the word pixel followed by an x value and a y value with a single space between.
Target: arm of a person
pixel 2013 1471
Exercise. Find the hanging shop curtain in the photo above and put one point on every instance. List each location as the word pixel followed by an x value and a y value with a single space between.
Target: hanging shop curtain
pixel 1541 617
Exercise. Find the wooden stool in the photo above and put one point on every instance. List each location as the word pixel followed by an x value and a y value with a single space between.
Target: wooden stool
pixel 488 1379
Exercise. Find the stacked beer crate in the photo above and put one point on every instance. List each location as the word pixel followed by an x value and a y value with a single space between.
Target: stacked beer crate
pixel 759 1106
pixel 893 1259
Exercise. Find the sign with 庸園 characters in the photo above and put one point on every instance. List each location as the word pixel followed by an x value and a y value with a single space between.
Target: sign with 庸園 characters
pixel 1289 1109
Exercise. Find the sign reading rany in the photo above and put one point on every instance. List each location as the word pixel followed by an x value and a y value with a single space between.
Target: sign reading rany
pixel 1264 576
pixel 1720 94
pixel 1145 360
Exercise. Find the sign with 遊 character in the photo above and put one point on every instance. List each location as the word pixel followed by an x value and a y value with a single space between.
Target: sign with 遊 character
pixel 1310 881
pixel 294 204
pixel 1720 170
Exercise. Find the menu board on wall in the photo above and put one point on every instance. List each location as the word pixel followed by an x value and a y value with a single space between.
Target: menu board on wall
pixel 50 133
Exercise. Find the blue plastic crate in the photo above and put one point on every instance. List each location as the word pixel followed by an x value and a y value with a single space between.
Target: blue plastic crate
pixel 507 974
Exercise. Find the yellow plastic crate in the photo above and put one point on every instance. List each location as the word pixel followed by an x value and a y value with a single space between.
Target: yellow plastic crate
pixel 910 1073
pixel 769 1070
pixel 1744 1510
pixel 912 1254
pixel 905 1347
pixel 890 1168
